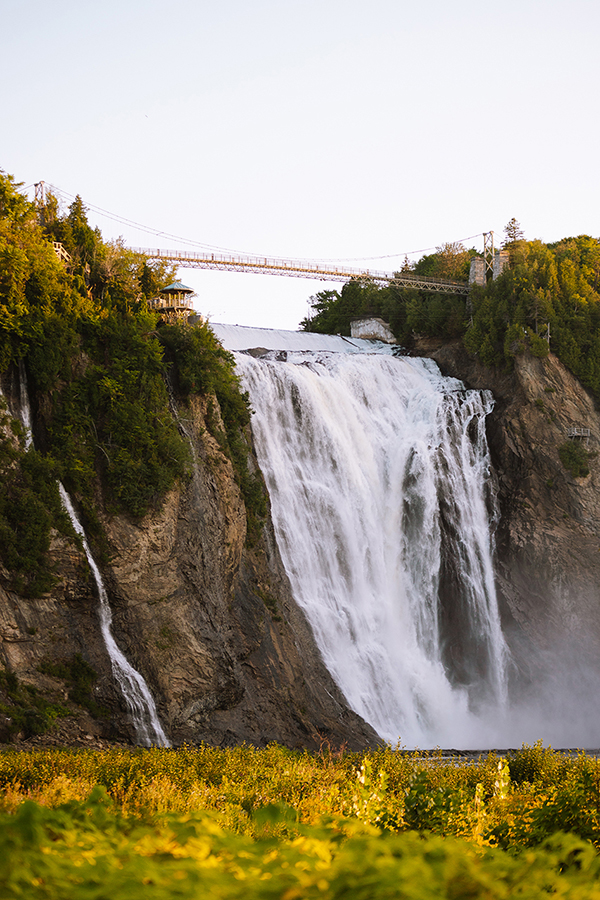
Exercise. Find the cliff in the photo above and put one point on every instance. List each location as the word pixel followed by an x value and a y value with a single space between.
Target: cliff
pixel 207 619
pixel 207 616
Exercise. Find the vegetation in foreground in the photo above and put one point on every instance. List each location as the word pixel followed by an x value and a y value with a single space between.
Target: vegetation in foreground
pixel 287 824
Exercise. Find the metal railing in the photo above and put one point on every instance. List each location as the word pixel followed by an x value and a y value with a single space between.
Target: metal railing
pixel 300 269
pixel 575 432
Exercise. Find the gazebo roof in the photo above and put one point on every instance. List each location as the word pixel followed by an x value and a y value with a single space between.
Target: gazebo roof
pixel 177 287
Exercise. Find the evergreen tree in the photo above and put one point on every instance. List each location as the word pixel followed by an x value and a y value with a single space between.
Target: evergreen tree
pixel 512 232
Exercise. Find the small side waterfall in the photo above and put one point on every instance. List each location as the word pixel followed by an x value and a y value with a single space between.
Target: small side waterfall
pixel 382 497
pixel 24 406
pixel 135 691
pixel 136 694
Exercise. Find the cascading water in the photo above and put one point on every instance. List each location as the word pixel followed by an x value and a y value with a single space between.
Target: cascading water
pixel 135 691
pixel 24 406
pixel 136 694
pixel 381 491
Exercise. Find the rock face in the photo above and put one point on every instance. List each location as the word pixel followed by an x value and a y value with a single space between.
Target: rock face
pixel 208 621
pixel 548 538
pixel 372 328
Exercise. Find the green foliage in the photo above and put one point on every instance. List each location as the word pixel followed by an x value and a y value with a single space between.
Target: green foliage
pixel 29 508
pixel 575 458
pixel 118 410
pixel 29 712
pixel 512 232
pixel 406 309
pixel 548 289
pixel 547 286
pixel 431 808
pixel 93 360
pixel 81 677
pixel 538 346
pixel 97 376
pixel 85 849
pixel 451 261
pixel 200 365
pixel 275 823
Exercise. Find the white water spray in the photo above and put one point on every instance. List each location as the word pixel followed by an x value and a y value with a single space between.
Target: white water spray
pixel 136 694
pixel 379 478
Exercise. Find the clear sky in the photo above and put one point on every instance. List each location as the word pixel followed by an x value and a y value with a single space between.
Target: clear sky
pixel 322 129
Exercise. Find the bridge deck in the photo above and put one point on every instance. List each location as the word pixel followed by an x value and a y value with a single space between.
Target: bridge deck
pixel 300 269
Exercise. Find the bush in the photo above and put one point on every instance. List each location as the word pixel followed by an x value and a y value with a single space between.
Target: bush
pixel 276 823
pixel 81 677
pixel 28 710
pixel 29 508
pixel 574 457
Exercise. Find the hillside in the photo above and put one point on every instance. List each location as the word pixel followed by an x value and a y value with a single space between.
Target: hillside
pixel 146 426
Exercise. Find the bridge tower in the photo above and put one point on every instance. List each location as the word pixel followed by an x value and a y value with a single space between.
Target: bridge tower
pixel 488 253
pixel 40 200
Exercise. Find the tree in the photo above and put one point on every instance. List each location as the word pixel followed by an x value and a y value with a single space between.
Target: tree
pixel 453 258
pixel 513 232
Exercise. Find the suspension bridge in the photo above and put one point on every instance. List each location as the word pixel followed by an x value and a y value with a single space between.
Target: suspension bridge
pixel 295 268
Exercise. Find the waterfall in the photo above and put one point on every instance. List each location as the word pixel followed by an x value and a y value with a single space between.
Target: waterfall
pixel 383 500
pixel 24 407
pixel 137 696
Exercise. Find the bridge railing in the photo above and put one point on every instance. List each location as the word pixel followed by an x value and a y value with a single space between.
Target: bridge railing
pixel 299 268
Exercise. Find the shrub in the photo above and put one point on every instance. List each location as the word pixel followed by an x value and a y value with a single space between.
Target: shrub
pixel 27 709
pixel 81 677
pixel 574 457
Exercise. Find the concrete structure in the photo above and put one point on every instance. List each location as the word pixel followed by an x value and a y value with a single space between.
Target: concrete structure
pixel 501 260
pixel 477 271
pixel 371 328
pixel 479 267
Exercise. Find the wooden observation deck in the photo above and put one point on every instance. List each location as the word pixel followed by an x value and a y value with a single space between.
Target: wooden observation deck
pixel 174 302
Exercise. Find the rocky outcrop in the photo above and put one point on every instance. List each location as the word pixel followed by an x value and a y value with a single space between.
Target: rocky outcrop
pixel 548 538
pixel 207 619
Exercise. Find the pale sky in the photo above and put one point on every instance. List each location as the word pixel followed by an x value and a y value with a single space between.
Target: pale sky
pixel 337 129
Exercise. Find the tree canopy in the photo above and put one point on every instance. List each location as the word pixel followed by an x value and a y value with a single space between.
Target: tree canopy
pixel 97 360
pixel 548 296
pixel 406 309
